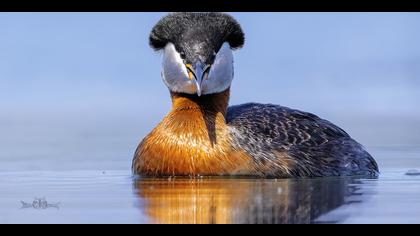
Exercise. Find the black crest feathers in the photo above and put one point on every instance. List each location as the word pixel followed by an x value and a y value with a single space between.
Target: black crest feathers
pixel 213 29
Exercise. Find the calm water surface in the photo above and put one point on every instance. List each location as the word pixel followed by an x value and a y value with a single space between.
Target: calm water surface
pixel 113 196
pixel 78 91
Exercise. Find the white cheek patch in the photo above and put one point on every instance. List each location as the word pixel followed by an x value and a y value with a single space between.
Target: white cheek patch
pixel 172 62
pixel 174 73
pixel 221 72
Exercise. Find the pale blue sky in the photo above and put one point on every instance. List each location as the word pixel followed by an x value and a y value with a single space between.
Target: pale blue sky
pixel 94 73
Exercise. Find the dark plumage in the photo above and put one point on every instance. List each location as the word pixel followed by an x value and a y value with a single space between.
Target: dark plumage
pixel 197 34
pixel 287 142
pixel 202 136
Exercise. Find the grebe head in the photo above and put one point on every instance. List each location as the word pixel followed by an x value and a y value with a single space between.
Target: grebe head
pixel 197 51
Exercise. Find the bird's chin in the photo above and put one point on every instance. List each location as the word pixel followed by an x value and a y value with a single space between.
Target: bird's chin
pixel 190 88
pixel 214 87
pixel 186 88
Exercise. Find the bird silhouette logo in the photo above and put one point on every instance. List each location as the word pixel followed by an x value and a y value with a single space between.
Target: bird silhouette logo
pixel 40 204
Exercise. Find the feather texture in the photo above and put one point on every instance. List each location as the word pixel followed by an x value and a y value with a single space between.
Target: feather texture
pixel 290 143
pixel 201 136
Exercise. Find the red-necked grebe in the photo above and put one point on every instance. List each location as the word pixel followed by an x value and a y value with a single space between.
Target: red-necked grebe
pixel 201 135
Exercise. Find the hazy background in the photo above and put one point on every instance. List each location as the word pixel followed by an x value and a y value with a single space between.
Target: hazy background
pixel 84 88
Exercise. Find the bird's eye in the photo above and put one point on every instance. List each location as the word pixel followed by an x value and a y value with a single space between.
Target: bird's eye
pixel 182 54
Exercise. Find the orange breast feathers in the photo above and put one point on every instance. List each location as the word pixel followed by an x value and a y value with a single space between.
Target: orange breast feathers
pixel 193 139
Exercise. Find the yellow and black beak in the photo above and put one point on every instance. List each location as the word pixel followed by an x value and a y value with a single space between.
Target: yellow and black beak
pixel 198 71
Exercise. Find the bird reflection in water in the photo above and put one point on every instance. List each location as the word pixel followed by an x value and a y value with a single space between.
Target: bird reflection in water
pixel 224 201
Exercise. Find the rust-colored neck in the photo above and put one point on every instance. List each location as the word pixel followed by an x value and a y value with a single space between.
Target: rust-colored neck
pixel 192 139
pixel 213 103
